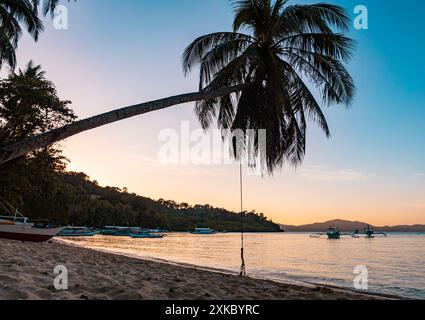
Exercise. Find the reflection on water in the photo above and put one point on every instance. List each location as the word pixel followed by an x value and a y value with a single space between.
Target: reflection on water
pixel 395 263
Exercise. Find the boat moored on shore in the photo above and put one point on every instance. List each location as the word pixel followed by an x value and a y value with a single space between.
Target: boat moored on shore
pixel 26 232
pixel 15 226
pixel 118 231
pixel 204 231
pixel 133 232
pixel 76 232
pixel 147 235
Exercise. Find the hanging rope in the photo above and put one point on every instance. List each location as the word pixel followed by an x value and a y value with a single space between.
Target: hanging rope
pixel 243 270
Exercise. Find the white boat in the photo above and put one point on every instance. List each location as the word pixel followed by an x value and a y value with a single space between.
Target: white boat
pixel 26 232
pixel 146 235
pixel 76 232
pixel 16 227
pixel 119 231
pixel 157 230
pixel 204 231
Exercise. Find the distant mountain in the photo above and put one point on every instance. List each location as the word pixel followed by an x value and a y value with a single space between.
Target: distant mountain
pixel 345 225
pixel 414 228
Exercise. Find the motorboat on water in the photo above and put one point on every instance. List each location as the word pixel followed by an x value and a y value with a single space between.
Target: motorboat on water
pixel 332 233
pixel 370 232
pixel 76 232
pixel 204 231
pixel 15 226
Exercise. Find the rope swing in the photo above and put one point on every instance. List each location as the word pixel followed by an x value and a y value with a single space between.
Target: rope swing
pixel 243 270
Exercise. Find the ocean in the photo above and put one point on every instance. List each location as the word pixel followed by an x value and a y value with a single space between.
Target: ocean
pixel 393 265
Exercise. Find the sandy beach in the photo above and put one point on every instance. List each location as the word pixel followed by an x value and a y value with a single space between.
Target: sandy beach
pixel 26 272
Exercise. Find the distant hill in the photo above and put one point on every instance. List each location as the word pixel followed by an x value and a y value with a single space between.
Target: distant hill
pixel 93 205
pixel 414 228
pixel 345 225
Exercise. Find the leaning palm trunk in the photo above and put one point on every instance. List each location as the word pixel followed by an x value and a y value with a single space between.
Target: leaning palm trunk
pixel 19 149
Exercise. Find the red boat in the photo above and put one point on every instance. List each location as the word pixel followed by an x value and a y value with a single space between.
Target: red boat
pixel 26 231
pixel 14 226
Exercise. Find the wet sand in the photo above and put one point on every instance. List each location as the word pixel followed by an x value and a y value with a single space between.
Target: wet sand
pixel 27 272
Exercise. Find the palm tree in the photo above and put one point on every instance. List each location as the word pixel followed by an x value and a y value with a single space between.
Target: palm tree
pixel 48 6
pixel 284 46
pixel 13 13
pixel 29 106
pixel 16 15
pixel 34 72
pixel 254 80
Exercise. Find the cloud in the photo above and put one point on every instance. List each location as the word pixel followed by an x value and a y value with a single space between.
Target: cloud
pixel 319 173
pixel 418 175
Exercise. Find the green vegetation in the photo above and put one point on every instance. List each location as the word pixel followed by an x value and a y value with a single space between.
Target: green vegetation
pixel 97 206
pixel 18 16
pixel 257 77
pixel 39 185
pixel 70 198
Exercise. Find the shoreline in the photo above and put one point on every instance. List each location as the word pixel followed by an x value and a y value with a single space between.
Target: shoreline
pixel 298 283
pixel 26 272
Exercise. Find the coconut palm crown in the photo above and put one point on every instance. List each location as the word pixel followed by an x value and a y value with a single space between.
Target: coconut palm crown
pixel 285 51
pixel 17 16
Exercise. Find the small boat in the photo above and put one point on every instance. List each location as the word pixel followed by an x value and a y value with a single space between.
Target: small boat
pixel 118 231
pixel 156 230
pixel 146 235
pixel 370 233
pixel 332 233
pixel 204 231
pixel 15 226
pixel 76 232
pixel 24 231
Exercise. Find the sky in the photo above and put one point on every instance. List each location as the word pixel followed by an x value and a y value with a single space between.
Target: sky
pixel 118 53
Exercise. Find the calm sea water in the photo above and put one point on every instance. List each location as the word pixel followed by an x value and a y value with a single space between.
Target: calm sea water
pixel 395 264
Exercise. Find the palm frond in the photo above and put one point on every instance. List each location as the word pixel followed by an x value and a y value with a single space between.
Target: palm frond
pixel 247 14
pixel 48 6
pixel 320 17
pixel 287 48
pixel 335 45
pixel 196 51
pixel 33 71
pixel 218 58
pixel 23 11
pixel 303 101
pixel 327 73
pixel 7 50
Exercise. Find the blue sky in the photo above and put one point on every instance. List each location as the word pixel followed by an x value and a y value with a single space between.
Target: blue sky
pixel 117 53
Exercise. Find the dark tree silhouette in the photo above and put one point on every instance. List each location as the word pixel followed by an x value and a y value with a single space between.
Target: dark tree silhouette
pixel 253 80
